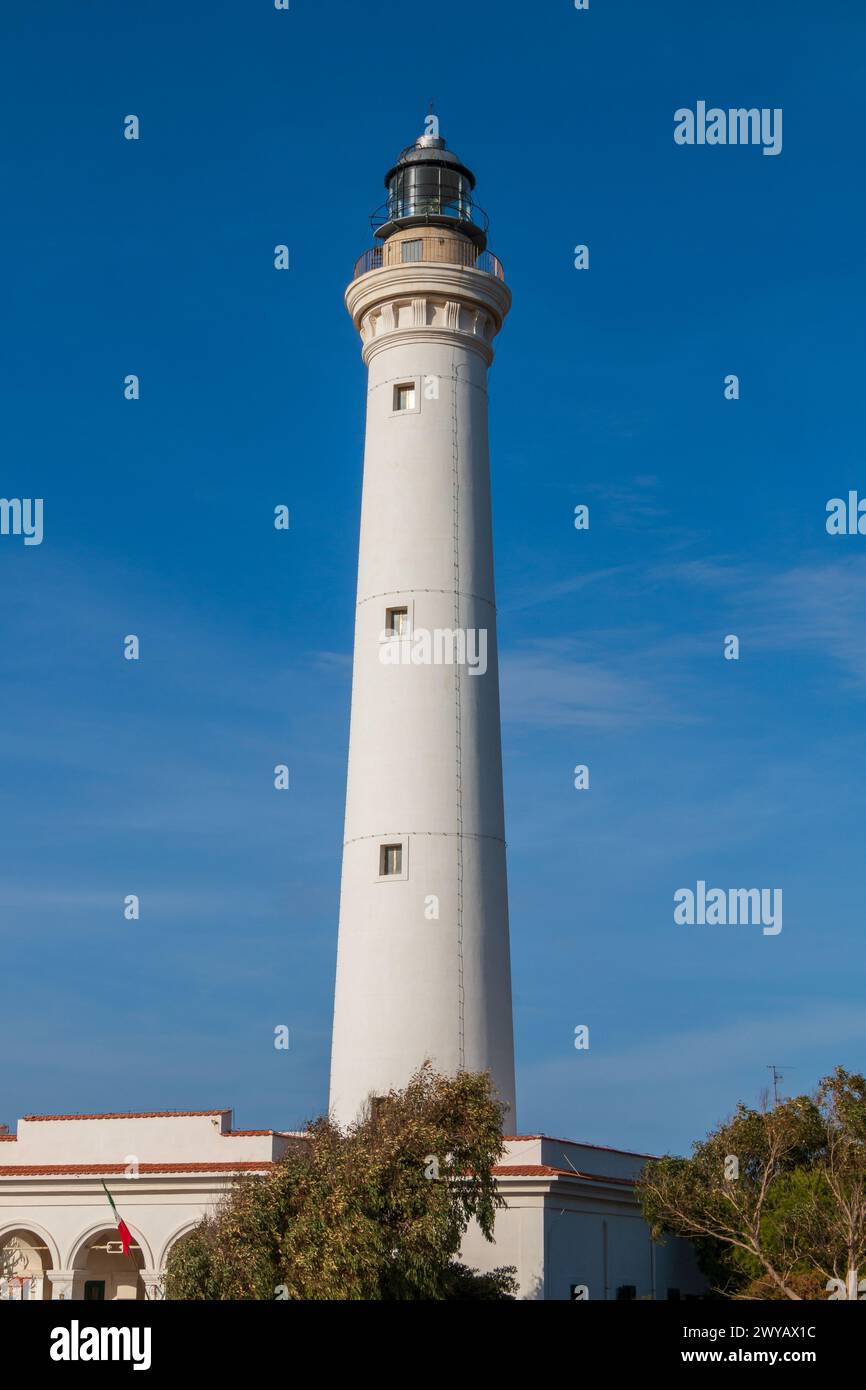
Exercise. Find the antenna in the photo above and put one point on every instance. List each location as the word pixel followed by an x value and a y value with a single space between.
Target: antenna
pixel 777 1077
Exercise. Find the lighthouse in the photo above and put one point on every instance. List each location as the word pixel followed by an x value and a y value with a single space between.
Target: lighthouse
pixel 423 963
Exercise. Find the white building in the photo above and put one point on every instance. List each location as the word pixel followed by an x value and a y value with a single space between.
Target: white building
pixel 423 968
pixel 571 1227
pixel 573 1230
pixel 58 1236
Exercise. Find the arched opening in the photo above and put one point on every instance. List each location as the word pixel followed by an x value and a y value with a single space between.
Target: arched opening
pixel 25 1260
pixel 104 1273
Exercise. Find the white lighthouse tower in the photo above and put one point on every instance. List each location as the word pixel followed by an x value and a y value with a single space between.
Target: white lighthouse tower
pixel 423 967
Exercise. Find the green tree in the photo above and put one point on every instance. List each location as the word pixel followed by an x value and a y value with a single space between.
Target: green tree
pixel 774 1200
pixel 375 1212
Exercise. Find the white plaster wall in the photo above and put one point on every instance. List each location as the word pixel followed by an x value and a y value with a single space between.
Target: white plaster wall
pixel 577 1233
pixel 590 1158
pixel 569 1154
pixel 397 999
pixel 152 1139
pixel 559 1239
pixel 518 1241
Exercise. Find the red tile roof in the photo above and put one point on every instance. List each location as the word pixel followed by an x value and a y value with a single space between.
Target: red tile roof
pixel 544 1170
pixel 525 1170
pixel 131 1115
pixel 48 1170
pixel 279 1133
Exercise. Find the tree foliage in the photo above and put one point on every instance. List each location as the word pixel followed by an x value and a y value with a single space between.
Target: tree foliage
pixel 773 1199
pixel 375 1212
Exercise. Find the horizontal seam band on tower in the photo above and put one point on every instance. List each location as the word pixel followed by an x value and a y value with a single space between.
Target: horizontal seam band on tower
pixel 439 834
pixel 391 380
pixel 388 593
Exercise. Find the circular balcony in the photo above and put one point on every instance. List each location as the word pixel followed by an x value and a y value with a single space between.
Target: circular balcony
pixel 423 204
pixel 429 249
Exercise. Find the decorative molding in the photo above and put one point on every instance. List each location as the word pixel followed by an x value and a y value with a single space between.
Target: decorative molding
pixel 450 337
pixel 443 303
pixel 431 318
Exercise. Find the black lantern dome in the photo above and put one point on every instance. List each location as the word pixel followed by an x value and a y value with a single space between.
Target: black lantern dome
pixel 429 186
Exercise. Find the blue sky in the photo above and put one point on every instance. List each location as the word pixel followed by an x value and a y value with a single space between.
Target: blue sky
pixel 707 517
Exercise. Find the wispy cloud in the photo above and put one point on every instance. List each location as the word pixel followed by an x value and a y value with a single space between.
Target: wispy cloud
pixel 534 595
pixel 632 505
pixel 817 606
pixel 548 683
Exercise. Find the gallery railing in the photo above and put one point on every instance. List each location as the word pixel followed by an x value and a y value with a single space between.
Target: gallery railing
pixel 426 249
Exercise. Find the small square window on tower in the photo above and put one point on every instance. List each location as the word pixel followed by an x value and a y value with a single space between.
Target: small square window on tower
pixel 397 622
pixel 390 861
pixel 405 396
pixel 412 250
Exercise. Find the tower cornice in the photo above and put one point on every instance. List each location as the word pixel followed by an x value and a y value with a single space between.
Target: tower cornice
pixel 428 302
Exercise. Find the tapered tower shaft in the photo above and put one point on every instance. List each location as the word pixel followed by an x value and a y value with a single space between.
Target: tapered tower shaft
pixel 423 969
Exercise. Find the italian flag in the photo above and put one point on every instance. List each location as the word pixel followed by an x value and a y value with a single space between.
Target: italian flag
pixel 122 1229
